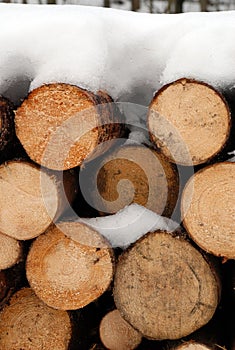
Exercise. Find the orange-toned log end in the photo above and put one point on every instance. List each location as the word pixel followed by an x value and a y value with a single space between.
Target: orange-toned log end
pixel 31 198
pixel 11 251
pixel 59 125
pixel 208 209
pixel 191 345
pixel 7 128
pixel 164 287
pixel 117 334
pixel 134 174
pixel 189 121
pixel 69 266
pixel 28 323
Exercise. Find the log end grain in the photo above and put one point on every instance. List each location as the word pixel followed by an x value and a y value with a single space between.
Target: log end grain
pixel 60 125
pixel 133 174
pixel 208 209
pixel 25 212
pixel 69 266
pixel 10 251
pixel 117 334
pixel 183 116
pixel 164 287
pixel 28 323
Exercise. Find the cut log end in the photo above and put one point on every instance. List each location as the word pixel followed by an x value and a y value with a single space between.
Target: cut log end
pixel 59 125
pixel 70 266
pixel 133 174
pixel 183 116
pixel 30 199
pixel 28 323
pixel 117 334
pixel 208 209
pixel 164 287
pixel 10 251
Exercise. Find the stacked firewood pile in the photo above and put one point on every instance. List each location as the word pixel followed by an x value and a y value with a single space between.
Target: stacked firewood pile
pixel 62 284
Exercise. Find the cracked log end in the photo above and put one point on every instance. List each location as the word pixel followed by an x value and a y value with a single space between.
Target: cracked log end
pixel 189 121
pixel 164 287
pixel 208 209
pixel 69 266
pixel 28 323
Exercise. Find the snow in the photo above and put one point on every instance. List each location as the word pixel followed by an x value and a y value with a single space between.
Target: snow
pixel 129 224
pixel 130 55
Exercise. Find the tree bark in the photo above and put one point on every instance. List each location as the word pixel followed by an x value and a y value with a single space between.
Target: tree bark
pixel 135 5
pixel 164 287
pixel 60 125
pixel 28 323
pixel 117 334
pixel 184 112
pixel 207 209
pixel 106 3
pixel 131 174
pixel 70 266
pixel 6 122
pixel 32 198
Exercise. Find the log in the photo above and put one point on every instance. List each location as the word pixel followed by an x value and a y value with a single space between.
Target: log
pixel 32 198
pixel 189 121
pixel 164 287
pixel 28 323
pixel 208 211
pixel 191 345
pixel 60 125
pixel 117 334
pixel 69 266
pixel 10 251
pixel 7 129
pixel 131 174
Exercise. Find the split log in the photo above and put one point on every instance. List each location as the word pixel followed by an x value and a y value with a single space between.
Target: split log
pixel 31 198
pixel 69 266
pixel 10 251
pixel 208 209
pixel 117 334
pixel 189 121
pixel 7 128
pixel 28 323
pixel 60 125
pixel 131 174
pixel 164 287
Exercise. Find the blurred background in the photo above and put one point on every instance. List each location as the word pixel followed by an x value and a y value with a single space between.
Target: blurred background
pixel 149 6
